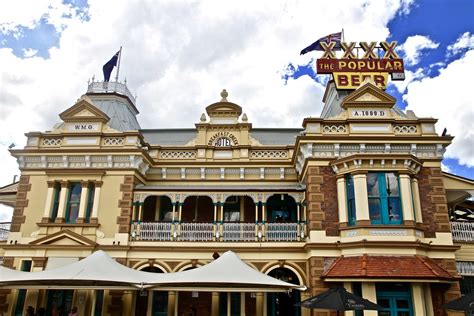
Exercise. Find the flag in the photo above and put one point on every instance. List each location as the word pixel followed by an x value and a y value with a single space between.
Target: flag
pixel 336 37
pixel 109 66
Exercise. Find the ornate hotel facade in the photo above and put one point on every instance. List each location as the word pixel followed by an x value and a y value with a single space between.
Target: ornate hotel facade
pixel 356 197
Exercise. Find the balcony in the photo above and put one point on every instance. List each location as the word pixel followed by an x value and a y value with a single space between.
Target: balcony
pixel 4 230
pixel 100 87
pixel 222 232
pixel 463 231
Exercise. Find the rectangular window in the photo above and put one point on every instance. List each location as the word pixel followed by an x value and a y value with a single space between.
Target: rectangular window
pixel 384 198
pixel 90 202
pixel 351 210
pixel 54 210
pixel 73 201
pixel 20 302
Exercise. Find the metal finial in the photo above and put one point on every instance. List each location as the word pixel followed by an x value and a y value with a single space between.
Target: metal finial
pixel 93 78
pixel 203 117
pixel 245 118
pixel 224 95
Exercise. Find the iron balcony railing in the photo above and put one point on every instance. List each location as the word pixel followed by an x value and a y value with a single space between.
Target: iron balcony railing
pixel 465 267
pixel 463 231
pixel 107 87
pixel 4 230
pixel 220 231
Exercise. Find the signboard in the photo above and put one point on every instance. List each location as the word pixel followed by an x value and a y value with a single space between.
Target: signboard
pixel 223 139
pixel 350 71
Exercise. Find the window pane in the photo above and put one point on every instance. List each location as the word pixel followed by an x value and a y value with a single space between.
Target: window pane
pixel 374 210
pixel 384 302
pixel 394 210
pixel 391 181
pixel 403 314
pixel 373 184
pixel 350 187
pixel 73 202
pixel 401 303
pixel 351 211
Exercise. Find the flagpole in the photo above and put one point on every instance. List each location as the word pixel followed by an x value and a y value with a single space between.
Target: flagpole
pixel 118 64
pixel 343 39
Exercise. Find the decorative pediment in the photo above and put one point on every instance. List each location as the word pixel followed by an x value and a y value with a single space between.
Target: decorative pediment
pixel 84 110
pixel 224 107
pixel 368 95
pixel 64 238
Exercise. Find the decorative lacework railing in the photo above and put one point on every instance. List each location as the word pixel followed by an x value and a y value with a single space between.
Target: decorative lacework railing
pixel 197 231
pixel 465 267
pixel 4 230
pixel 269 154
pixel 155 231
pixel 463 231
pixel 281 231
pixel 239 232
pixel 405 129
pixel 113 141
pixel 51 142
pixel 178 154
pixel 334 128
pixel 104 87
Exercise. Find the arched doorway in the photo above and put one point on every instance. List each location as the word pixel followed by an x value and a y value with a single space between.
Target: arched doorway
pixel 281 208
pixel 238 214
pixel 157 209
pixel 282 304
pixel 155 302
pixel 197 209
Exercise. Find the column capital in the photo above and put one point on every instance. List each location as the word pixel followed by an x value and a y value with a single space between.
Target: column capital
pixel 98 184
pixel 51 183
pixel 84 184
pixel 64 184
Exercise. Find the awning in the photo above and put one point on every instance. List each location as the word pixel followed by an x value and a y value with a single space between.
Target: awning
pixel 227 273
pixel 99 271
pixel 417 268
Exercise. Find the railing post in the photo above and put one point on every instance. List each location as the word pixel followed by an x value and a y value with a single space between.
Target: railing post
pixel 256 220
pixel 264 218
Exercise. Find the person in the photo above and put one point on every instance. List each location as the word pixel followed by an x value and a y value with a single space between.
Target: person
pixel 73 311
pixel 30 311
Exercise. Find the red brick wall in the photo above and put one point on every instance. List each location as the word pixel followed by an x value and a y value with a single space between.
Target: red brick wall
pixel 433 201
pixel 321 194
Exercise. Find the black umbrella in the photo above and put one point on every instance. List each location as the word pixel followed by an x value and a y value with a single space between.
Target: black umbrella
pixel 464 303
pixel 339 299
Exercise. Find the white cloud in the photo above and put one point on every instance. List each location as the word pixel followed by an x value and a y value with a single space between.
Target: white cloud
pixel 465 41
pixel 448 97
pixel 29 52
pixel 445 168
pixel 29 13
pixel 177 56
pixel 413 47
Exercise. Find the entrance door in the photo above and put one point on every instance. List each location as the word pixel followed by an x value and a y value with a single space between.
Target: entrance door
pixel 283 304
pixel 396 300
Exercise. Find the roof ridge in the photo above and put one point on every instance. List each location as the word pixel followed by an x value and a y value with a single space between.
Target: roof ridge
pixel 429 266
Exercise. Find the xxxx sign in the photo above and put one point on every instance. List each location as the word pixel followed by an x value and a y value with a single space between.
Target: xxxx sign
pixel 350 71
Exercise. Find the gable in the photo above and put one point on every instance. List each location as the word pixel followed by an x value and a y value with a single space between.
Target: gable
pixel 368 95
pixel 84 110
pixel 64 238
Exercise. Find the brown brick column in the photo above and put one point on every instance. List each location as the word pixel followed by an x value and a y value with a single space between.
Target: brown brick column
pixel 434 206
pixel 321 195
pixel 21 202
pixel 125 205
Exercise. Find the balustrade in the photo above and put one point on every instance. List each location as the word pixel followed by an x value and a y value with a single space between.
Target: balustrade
pixel 239 232
pixel 282 231
pixel 462 231
pixel 227 231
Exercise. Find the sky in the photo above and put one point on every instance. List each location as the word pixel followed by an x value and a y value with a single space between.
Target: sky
pixel 178 55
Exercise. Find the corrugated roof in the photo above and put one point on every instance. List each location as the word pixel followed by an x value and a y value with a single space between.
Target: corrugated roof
pixel 179 137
